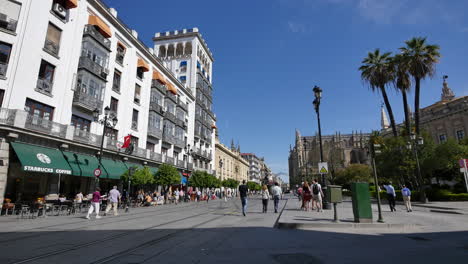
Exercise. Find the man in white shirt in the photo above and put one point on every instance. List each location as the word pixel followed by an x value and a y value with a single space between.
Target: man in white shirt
pixel 276 192
pixel 113 200
pixel 390 196
pixel 176 194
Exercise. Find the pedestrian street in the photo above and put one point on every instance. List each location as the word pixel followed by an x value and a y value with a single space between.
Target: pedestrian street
pixel 217 232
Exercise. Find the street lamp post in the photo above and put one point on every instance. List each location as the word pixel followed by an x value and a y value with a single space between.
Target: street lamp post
pixel 220 167
pixel 131 170
pixel 306 160
pixel 106 122
pixel 318 96
pixel 414 143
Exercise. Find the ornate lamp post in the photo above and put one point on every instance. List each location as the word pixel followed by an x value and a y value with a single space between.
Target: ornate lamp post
pixel 131 170
pixel 109 121
pixel 318 96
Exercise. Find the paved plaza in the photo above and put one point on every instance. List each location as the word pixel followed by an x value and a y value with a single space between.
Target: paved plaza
pixel 216 232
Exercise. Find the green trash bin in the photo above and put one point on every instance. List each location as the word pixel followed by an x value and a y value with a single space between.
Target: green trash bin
pixel 362 209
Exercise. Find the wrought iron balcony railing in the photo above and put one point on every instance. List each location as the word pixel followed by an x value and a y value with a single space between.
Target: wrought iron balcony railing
pixel 44 86
pixel 93 67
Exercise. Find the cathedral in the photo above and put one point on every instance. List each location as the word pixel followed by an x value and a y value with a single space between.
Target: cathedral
pixel 339 150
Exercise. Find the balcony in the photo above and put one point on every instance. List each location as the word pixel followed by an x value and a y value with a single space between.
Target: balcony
pixel 44 86
pixel 170 116
pixel 197 133
pixel 46 126
pixel 7 24
pixel 183 105
pixel 84 136
pixel 155 132
pixel 91 31
pixel 3 69
pixel 161 87
pixel 135 125
pixel 156 156
pixel 179 143
pixel 93 67
pixel 171 96
pixel 169 160
pixel 86 101
pixel 168 138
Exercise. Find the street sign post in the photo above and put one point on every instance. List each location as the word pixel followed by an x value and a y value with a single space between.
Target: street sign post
pixel 464 170
pixel 323 167
pixel 97 172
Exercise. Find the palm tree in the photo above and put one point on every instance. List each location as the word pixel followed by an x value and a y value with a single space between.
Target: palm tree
pixel 402 82
pixel 421 59
pixel 377 72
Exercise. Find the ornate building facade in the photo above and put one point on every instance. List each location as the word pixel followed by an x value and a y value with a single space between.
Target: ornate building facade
pixel 230 163
pixel 338 150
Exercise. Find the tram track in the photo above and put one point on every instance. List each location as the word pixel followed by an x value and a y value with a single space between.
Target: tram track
pixel 117 236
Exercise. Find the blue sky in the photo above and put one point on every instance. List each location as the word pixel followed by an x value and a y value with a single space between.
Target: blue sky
pixel 270 53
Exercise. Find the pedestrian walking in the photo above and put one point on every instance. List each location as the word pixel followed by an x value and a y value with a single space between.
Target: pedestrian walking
pixel 79 198
pixel 198 195
pixel 265 197
pixel 406 193
pixel 176 196
pixel 243 190
pixel 276 192
pixel 113 201
pixel 95 203
pixel 390 196
pixel 317 195
pixel 306 196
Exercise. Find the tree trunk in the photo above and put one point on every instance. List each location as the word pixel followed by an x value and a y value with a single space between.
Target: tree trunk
pixel 416 104
pixel 389 110
pixel 407 114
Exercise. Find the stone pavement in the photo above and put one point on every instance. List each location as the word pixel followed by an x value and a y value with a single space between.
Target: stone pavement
pixel 425 217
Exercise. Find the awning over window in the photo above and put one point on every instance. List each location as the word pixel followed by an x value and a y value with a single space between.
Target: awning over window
pixel 143 64
pixel 171 88
pixel 114 168
pixel 103 27
pixel 83 165
pixel 183 63
pixel 120 44
pixel 69 4
pixel 213 126
pixel 40 159
pixel 158 76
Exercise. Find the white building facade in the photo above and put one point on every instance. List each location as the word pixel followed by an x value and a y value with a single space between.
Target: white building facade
pixel 61 63
pixel 187 55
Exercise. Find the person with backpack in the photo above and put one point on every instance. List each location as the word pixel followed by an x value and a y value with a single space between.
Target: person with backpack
pixel 317 195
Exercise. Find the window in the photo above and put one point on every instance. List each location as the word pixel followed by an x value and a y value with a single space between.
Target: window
pixel 442 138
pixel 140 72
pixel 180 114
pixel 39 110
pixel 135 119
pixel 52 42
pixel 5 50
pixel 9 14
pixel 112 133
pixel 46 77
pixel 116 82
pixel 460 134
pixel 150 146
pixel 114 105
pixel 156 97
pixel 80 123
pixel 137 95
pixel 168 128
pixel 90 85
pixel 170 107
pixel 183 79
pixel 95 53
pixel 154 120
pixel 179 133
pixel 120 53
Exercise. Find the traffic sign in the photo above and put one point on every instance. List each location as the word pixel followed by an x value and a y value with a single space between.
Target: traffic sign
pixel 323 167
pixel 97 172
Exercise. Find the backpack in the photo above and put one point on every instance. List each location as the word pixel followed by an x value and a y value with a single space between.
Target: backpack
pixel 315 189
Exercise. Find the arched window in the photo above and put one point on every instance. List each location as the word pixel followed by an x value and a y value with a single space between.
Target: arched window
pixel 170 51
pixel 180 49
pixel 162 51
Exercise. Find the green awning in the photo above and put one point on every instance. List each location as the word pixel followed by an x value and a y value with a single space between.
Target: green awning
pixel 41 159
pixel 114 168
pixel 131 164
pixel 83 165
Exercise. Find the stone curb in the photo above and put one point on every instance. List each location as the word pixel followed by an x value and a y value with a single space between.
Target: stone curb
pixel 286 225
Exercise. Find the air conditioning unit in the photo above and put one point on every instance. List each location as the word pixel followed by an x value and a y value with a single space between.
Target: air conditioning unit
pixel 60 11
